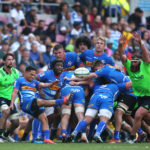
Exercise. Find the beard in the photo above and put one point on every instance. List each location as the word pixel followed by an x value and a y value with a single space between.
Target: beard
pixel 135 68
pixel 9 66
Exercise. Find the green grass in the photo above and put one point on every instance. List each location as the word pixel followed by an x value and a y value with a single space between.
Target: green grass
pixel 73 146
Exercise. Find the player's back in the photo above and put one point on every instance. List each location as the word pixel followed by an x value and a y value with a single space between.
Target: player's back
pixel 112 75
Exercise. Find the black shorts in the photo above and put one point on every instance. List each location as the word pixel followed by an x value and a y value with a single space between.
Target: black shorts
pixel 128 100
pixel 144 102
pixel 4 101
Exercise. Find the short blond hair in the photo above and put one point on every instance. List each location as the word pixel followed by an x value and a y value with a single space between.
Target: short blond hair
pixel 101 38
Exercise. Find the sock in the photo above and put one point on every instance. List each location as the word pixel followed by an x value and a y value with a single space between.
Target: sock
pixel 148 136
pixel 59 101
pixel 101 127
pixel 6 133
pixel 24 136
pixel 139 131
pixel 92 128
pixel 16 137
pixel 64 131
pixel 28 137
pixel 68 130
pixel 36 128
pixel 82 124
pixel 132 137
pixel 53 133
pixel 1 131
pixel 117 135
pixel 45 134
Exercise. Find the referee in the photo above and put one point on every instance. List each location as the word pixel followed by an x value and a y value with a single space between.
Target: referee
pixel 8 74
pixel 139 72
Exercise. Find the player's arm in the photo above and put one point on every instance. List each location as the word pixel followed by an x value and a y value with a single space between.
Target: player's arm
pixel 79 82
pixel 123 57
pixel 13 98
pixel 89 77
pixel 45 85
pixel 145 53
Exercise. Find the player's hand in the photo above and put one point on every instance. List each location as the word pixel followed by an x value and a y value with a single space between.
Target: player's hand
pixel 122 40
pixel 73 83
pixel 11 107
pixel 56 82
pixel 68 98
pixel 137 37
pixel 128 85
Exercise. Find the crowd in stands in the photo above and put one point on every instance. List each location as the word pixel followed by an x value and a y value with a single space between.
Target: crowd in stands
pixel 31 38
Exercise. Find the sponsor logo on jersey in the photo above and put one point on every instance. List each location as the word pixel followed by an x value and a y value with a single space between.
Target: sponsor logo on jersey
pixel 69 68
pixel 88 63
pixel 54 87
pixel 90 105
pixel 28 88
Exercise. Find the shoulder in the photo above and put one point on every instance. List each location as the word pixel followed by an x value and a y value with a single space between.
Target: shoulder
pixel 15 71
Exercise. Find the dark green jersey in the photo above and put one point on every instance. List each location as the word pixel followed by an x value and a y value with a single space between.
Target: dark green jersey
pixel 7 82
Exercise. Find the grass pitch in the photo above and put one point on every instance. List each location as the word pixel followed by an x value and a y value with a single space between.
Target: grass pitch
pixel 73 146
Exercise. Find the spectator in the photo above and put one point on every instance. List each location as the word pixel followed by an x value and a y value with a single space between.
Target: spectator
pixel 63 9
pixel 117 60
pixel 18 54
pixel 77 30
pixel 136 17
pixel 4 50
pixel 45 58
pixel 26 59
pixel 115 34
pixel 93 14
pixel 17 16
pixel 14 47
pixel 30 41
pixel 51 31
pixel 97 24
pixel 35 55
pixel 76 14
pixel 40 29
pixel 31 17
pixel 146 39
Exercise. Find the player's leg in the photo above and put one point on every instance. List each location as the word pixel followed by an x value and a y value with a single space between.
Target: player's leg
pixel 4 109
pixel 49 103
pixel 13 117
pixel 89 116
pixel 66 112
pixel 105 114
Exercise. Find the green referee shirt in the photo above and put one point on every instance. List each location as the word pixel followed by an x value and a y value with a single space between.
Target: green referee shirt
pixel 7 82
pixel 141 79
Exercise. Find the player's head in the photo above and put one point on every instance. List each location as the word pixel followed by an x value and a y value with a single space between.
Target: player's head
pixel 59 51
pixel 135 63
pixel 8 60
pixel 97 64
pixel 83 43
pixel 30 73
pixel 100 44
pixel 57 66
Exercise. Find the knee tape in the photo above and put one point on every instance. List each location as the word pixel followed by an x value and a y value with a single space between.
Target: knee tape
pixel 122 107
pixel 79 109
pixel 105 113
pixel 3 107
pixel 91 112
pixel 14 116
pixel 66 111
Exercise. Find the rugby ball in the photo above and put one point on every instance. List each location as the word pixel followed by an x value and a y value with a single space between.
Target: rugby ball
pixel 81 72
